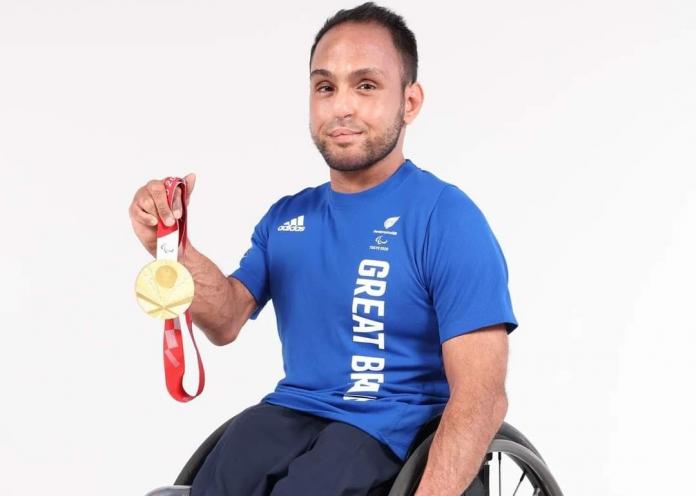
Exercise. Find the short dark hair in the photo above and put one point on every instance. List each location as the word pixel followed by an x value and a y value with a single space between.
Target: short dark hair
pixel 403 38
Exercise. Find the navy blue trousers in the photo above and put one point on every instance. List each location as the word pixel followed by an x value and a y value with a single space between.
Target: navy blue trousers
pixel 273 450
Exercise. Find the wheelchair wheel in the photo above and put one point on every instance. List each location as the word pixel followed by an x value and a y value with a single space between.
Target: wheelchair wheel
pixel 509 467
pixel 512 466
pixel 507 431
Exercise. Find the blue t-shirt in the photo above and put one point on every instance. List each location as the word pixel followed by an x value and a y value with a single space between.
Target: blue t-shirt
pixel 366 287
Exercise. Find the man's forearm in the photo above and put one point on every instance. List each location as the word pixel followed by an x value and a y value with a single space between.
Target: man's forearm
pixel 214 307
pixel 459 445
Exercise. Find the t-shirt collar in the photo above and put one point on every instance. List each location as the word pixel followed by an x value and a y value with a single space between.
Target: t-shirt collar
pixel 339 199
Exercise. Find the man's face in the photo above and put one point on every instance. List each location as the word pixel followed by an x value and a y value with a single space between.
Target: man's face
pixel 355 87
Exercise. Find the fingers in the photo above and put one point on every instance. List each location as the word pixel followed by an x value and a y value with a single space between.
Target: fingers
pixel 159 197
pixel 142 216
pixel 177 207
pixel 176 203
pixel 190 183
pixel 150 202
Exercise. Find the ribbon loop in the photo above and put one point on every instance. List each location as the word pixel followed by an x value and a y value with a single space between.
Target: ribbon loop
pixel 168 240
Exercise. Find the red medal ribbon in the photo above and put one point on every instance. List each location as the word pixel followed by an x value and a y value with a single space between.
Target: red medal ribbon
pixel 173 348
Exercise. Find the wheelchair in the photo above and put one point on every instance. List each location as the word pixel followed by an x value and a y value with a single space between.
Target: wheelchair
pixel 526 472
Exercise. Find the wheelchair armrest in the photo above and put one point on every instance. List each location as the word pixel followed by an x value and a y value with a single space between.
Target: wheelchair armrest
pixel 170 491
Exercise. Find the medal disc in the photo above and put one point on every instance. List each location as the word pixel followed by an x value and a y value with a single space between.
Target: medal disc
pixel 164 288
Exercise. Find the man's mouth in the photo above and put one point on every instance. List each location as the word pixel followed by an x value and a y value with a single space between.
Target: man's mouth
pixel 343 131
pixel 345 137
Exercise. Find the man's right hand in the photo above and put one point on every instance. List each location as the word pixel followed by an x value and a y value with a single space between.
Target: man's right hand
pixel 221 305
pixel 149 202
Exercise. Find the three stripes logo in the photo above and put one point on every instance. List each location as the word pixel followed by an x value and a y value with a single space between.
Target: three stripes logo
pixel 295 224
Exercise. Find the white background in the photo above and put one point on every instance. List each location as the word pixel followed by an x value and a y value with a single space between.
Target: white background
pixel 571 124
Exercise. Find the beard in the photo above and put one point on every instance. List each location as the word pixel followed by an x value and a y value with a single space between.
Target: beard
pixel 362 155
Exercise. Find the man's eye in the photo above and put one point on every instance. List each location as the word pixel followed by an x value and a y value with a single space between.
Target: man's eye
pixel 369 85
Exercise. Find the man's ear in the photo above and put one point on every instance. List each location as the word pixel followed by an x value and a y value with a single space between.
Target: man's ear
pixel 413 97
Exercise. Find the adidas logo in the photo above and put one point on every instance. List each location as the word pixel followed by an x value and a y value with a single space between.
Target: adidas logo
pixel 296 224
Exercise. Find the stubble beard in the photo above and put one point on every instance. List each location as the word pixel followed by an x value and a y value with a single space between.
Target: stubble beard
pixel 371 150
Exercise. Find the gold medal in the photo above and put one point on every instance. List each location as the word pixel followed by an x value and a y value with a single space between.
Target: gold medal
pixel 164 288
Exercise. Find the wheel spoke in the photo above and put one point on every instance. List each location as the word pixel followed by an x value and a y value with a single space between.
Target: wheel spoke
pixel 500 480
pixel 520 478
pixel 520 482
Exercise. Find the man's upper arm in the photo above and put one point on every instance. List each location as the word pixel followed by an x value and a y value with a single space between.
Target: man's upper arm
pixel 253 271
pixel 476 363
pixel 246 301
pixel 465 270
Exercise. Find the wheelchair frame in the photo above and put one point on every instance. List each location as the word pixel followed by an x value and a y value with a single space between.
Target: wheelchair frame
pixel 507 440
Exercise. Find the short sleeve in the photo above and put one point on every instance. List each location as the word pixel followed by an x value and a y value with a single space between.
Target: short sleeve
pixel 465 269
pixel 253 266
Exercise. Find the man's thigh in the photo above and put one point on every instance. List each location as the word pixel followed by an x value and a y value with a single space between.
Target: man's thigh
pixel 255 451
pixel 342 461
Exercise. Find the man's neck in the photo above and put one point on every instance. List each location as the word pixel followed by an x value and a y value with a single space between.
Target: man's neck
pixel 360 180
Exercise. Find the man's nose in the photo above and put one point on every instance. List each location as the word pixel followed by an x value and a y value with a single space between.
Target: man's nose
pixel 344 102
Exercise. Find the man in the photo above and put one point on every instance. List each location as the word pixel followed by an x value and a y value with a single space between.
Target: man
pixel 389 287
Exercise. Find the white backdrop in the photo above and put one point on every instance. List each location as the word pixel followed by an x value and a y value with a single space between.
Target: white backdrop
pixel 571 124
